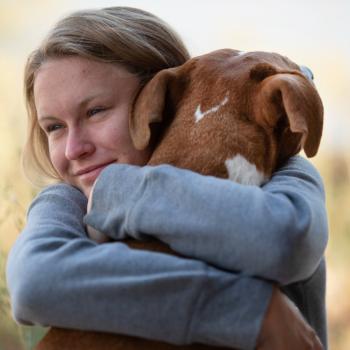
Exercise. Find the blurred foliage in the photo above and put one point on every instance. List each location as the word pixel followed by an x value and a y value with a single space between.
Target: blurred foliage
pixel 335 169
pixel 9 334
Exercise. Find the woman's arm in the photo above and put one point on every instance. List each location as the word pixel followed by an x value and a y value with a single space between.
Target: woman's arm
pixel 277 232
pixel 58 277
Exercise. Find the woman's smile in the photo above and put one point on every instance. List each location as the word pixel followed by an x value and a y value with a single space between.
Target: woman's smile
pixel 90 173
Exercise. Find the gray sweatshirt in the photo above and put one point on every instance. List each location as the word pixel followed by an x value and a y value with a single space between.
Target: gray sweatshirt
pixel 237 241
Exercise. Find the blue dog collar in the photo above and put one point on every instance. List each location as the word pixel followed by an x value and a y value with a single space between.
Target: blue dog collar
pixel 307 72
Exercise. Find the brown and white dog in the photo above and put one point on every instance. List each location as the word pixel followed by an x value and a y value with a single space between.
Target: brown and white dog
pixel 229 114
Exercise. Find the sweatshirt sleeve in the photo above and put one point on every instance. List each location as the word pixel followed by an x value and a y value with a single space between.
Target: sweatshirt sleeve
pixel 58 277
pixel 277 232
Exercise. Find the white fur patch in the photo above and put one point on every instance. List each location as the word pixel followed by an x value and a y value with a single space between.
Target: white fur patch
pixel 198 115
pixel 244 172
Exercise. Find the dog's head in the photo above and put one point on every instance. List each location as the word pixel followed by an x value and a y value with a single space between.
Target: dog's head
pixel 229 113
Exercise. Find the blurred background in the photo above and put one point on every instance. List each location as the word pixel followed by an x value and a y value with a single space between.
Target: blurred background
pixel 315 33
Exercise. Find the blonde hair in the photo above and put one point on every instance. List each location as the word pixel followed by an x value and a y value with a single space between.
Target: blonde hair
pixel 134 38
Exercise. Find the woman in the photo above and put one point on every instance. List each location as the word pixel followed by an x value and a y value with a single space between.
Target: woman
pixel 79 85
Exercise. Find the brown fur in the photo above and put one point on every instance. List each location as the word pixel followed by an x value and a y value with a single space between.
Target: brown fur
pixel 272 113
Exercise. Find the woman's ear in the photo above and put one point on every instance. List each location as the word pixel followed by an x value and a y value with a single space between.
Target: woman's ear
pixel 289 103
pixel 150 105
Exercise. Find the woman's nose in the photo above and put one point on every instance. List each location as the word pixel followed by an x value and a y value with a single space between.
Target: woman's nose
pixel 78 145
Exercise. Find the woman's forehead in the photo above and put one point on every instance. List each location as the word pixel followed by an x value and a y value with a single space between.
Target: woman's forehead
pixel 63 79
pixel 83 68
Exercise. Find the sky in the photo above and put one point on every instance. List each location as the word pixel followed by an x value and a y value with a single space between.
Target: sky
pixel 312 33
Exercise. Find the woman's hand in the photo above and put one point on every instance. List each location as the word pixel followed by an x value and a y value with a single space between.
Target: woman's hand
pixel 285 328
pixel 89 196
pixel 95 235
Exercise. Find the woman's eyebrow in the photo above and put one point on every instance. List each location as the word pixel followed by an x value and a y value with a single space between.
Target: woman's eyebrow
pixel 46 118
pixel 89 98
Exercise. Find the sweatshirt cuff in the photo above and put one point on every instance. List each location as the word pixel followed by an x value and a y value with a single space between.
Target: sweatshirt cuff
pixel 116 192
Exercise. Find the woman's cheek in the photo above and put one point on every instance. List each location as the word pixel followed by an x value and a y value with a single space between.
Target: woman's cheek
pixel 56 153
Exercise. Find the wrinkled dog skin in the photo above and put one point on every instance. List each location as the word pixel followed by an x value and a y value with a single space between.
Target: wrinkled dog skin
pixel 228 114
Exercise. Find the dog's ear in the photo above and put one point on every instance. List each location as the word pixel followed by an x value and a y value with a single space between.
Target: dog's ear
pixel 290 104
pixel 150 104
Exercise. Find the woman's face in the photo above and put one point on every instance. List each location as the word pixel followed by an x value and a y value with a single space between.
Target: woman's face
pixel 83 108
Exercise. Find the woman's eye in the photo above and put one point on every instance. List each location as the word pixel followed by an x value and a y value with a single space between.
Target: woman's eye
pixel 52 128
pixel 91 112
